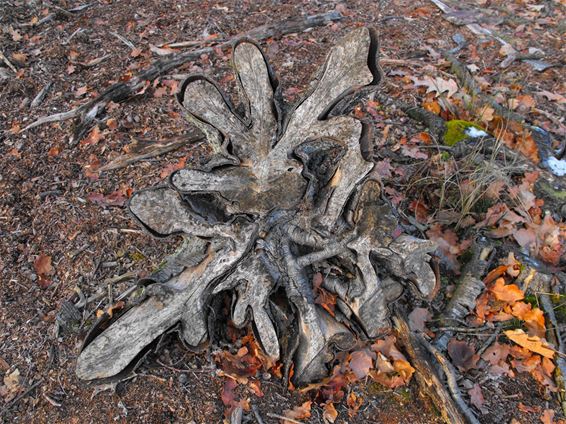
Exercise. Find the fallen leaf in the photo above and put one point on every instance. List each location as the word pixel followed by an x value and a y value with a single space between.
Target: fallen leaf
pixel 42 265
pixel 463 355
pixel 555 97
pixel 20 58
pixel 437 85
pixel 547 416
pixel 418 318
pixel 135 52
pixel 12 381
pixel 476 398
pixel 160 92
pixel 93 137
pixel 298 412
pixel 112 123
pixel 532 343
pixel 360 363
pixel 81 91
pixel 413 152
pixel 354 403
pixel 507 293
pixel 54 151
pixel 329 412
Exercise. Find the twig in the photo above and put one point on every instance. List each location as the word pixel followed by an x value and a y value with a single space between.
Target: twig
pixel 75 32
pixel 7 62
pixel 20 397
pixel 123 40
pixel 281 417
pixel 41 95
pixel 122 91
pixel 124 277
pixel 156 149
pixel 256 414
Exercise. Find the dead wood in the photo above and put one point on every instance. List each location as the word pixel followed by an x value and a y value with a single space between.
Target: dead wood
pixel 150 151
pixel 469 287
pixel 286 194
pixel 430 383
pixel 123 91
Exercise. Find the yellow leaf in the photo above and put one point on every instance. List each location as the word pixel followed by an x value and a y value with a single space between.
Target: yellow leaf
pixel 533 343
pixel 330 413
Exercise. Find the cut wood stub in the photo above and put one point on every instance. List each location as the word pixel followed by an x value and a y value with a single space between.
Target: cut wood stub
pixel 286 194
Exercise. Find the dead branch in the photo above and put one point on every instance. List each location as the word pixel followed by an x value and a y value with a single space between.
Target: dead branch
pixel 123 91
pixel 416 347
pixel 151 151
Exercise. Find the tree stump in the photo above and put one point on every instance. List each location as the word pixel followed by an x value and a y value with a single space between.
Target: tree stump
pixel 288 192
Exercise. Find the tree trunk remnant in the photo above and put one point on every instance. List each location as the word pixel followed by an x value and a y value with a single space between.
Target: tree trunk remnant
pixel 287 194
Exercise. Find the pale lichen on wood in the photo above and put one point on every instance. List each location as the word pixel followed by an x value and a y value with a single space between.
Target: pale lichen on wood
pixel 286 194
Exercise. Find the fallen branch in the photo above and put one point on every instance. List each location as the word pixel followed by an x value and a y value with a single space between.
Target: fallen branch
pixel 20 397
pixel 123 91
pixel 452 382
pixel 416 347
pixel 154 150
pixel 468 289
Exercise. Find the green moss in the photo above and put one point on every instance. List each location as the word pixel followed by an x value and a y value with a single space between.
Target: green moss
pixel 532 299
pixel 456 131
pixel 545 187
pixel 404 393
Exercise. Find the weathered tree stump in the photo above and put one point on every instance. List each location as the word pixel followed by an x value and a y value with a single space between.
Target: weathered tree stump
pixel 287 193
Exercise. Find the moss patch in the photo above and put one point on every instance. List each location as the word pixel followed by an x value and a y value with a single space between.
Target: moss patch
pixel 456 131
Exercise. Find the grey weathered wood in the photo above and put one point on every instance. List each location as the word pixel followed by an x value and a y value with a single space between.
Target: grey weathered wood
pixel 287 193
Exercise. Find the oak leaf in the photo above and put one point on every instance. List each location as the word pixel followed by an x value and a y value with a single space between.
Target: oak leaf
pixel 533 343
pixel 506 292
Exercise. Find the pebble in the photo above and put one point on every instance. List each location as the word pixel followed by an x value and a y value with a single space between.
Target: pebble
pixel 183 379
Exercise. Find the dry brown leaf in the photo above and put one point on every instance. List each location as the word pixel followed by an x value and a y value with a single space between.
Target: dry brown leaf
pixel 437 85
pixel 476 398
pixel 360 363
pixel 547 416
pixel 462 354
pixel 19 58
pixel 533 343
pixel 12 381
pixel 44 269
pixel 329 412
pixel 298 412
pixel 418 318
pixel 81 91
pixel 506 292
pixel 554 97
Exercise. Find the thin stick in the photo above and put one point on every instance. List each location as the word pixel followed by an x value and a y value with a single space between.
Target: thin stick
pixel 281 417
pixel 256 415
pixel 124 40
pixel 152 151
pixel 41 95
pixel 20 397
pixel 7 62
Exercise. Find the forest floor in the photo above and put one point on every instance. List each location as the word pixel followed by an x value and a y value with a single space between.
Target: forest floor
pixel 64 227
